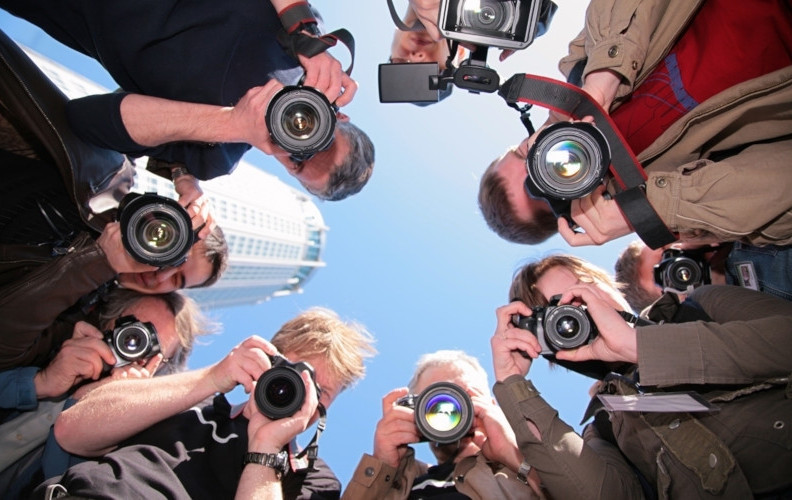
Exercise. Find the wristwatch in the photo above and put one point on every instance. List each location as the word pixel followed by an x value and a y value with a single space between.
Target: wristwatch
pixel 278 461
pixel 178 171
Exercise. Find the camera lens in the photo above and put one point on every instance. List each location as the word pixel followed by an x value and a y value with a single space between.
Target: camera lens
pixel 301 120
pixel 155 230
pixel 444 413
pixel 490 15
pixel 568 160
pixel 280 392
pixel 567 327
pixel 683 274
pixel 132 342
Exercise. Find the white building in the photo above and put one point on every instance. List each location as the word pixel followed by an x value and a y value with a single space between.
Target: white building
pixel 275 233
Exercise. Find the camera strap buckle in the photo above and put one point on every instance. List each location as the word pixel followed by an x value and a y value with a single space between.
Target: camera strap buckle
pixel 627 171
pixel 311 452
pixel 302 44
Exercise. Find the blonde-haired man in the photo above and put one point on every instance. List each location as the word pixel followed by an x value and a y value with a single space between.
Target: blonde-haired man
pixel 164 444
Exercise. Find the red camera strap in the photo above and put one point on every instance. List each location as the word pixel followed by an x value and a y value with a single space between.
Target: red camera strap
pixel 627 171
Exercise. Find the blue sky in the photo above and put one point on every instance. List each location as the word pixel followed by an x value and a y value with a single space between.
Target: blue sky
pixel 410 256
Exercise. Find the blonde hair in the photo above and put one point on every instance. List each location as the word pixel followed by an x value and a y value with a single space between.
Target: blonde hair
pixel 454 358
pixel 320 332
pixel 523 285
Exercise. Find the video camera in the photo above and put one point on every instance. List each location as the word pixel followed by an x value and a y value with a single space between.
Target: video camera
pixel 443 412
pixel 506 24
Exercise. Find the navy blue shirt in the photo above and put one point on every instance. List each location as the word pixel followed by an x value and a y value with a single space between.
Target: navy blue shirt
pixel 201 51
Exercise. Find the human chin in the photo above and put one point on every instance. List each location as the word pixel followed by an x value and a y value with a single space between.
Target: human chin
pixel 134 281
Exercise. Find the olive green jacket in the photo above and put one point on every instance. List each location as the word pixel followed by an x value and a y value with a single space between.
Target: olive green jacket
pixel 748 195
pixel 740 361
pixel 474 476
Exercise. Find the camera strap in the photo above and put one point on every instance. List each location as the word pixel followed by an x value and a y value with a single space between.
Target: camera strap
pixel 627 171
pixel 312 450
pixel 299 18
pixel 417 26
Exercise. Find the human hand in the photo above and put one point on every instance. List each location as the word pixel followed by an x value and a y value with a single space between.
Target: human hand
pixel 616 341
pixel 324 73
pixel 80 358
pixel 243 365
pixel 513 348
pixel 395 430
pixel 492 433
pixel 113 247
pixel 248 118
pixel 602 85
pixel 600 218
pixel 197 204
pixel 270 436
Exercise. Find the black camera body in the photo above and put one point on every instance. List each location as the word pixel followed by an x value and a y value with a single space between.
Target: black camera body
pixel 155 230
pixel 566 162
pixel 132 340
pixel 280 391
pixel 681 271
pixel 558 327
pixel 443 412
pixel 302 121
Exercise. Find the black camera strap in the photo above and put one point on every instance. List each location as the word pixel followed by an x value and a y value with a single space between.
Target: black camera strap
pixel 299 18
pixel 417 26
pixel 312 450
pixel 627 171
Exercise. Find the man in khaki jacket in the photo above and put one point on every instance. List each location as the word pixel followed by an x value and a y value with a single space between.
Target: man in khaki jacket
pixel 480 466
pixel 719 170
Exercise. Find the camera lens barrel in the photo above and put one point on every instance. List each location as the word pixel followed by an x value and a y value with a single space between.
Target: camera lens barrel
pixel 301 120
pixel 568 160
pixel 443 413
pixel 567 327
pixel 280 391
pixel 155 230
pixel 132 340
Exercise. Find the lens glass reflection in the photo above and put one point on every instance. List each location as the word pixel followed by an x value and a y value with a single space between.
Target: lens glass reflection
pixel 567 327
pixel 299 120
pixel 280 392
pixel 566 159
pixel 443 412
pixel 158 233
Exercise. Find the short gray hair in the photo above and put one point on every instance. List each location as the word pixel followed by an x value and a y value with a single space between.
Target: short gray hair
pixel 448 358
pixel 350 177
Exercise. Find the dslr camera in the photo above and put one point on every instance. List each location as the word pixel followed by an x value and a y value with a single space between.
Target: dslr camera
pixel 566 162
pixel 506 24
pixel 132 340
pixel 681 271
pixel 280 391
pixel 302 121
pixel 558 327
pixel 443 412
pixel 155 230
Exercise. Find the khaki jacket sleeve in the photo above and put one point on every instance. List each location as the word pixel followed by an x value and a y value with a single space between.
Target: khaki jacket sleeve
pixel 30 305
pixel 748 341
pixel 616 37
pixel 747 196
pixel 569 465
pixel 374 479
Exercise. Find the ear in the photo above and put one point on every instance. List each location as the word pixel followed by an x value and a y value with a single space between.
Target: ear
pixel 342 117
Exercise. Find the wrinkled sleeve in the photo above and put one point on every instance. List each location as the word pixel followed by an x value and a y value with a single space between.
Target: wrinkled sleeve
pixel 31 304
pixel 374 479
pixel 748 340
pixel 616 38
pixel 570 466
pixel 96 119
pixel 746 197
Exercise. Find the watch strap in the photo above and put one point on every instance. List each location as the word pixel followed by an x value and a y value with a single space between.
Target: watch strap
pixel 278 461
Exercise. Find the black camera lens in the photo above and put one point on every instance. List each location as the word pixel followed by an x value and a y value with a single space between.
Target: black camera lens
pixel 280 391
pixel 443 413
pixel 683 274
pixel 155 230
pixel 132 340
pixel 567 327
pixel 568 160
pixel 301 120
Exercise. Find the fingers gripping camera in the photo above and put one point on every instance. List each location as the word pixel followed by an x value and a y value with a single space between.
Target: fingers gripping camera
pixel 132 341
pixel 558 327
pixel 443 412
pixel 280 391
